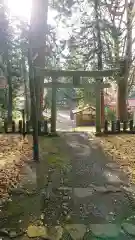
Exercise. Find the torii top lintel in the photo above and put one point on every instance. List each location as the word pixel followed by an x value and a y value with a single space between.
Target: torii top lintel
pixel 74 73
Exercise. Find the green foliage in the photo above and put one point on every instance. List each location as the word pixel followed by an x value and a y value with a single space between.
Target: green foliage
pixel 82 20
pixel 4 30
pixel 110 114
pixel 2 96
pixel 77 50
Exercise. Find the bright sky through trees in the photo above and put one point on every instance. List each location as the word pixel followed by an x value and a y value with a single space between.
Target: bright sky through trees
pixel 22 9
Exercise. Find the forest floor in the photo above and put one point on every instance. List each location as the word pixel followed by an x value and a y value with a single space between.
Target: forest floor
pixel 77 191
pixel 122 150
pixel 14 151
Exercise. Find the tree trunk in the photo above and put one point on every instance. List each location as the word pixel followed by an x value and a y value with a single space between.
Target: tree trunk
pixel 121 100
pixel 123 83
pixel 25 77
pixel 39 30
pixel 33 108
pixel 10 92
pixel 99 60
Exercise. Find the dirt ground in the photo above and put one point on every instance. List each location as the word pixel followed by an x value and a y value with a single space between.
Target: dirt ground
pixel 122 150
pixel 75 190
pixel 14 151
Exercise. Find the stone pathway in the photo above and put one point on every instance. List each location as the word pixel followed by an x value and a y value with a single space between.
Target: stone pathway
pixel 98 199
pixel 88 198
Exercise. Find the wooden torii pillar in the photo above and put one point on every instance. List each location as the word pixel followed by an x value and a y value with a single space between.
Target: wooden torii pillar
pixel 98 85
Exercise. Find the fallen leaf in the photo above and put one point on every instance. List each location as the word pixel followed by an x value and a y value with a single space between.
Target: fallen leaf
pixel 76 231
pixel 42 216
pixel 36 231
pixel 55 233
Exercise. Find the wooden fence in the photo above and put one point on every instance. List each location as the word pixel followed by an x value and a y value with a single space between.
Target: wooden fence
pixel 116 127
pixel 24 127
pixel 21 127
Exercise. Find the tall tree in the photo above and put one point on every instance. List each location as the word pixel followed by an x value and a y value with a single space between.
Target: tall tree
pixel 39 29
pixel 115 22
pixel 4 52
pixel 99 53
pixel 122 93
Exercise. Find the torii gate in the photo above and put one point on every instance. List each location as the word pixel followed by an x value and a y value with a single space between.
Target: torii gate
pixel 54 84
